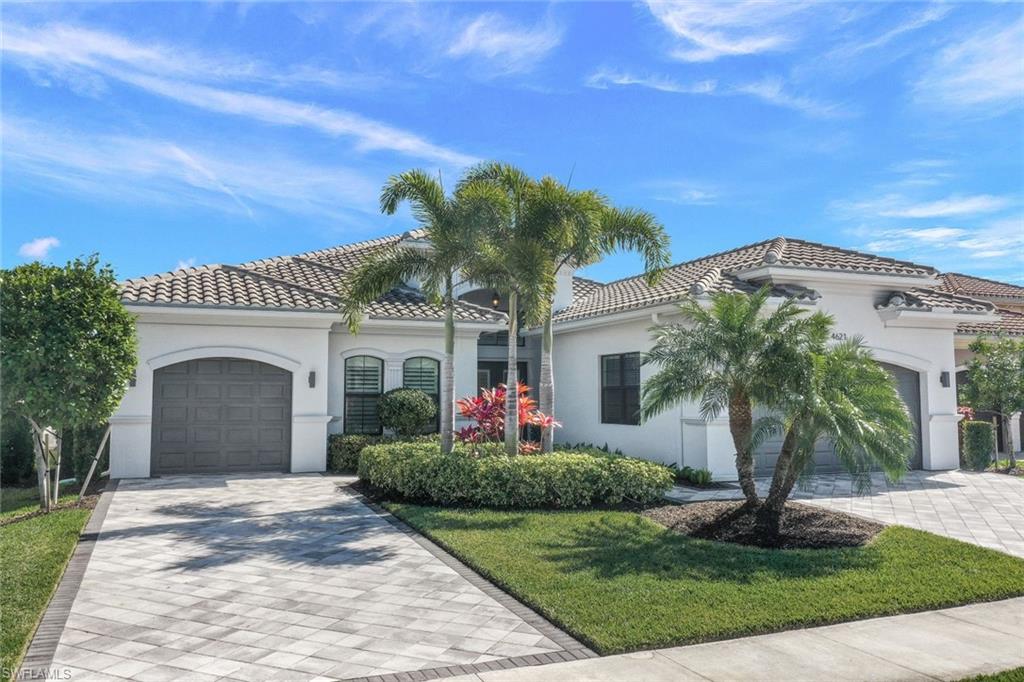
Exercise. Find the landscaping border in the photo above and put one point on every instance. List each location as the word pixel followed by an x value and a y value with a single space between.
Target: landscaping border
pixel 39 656
pixel 573 650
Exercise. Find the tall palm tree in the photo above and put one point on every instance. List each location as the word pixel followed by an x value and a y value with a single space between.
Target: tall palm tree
pixel 513 260
pixel 733 355
pixel 452 225
pixel 580 227
pixel 843 394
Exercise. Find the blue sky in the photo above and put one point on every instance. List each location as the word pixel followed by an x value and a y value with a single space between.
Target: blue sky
pixel 167 134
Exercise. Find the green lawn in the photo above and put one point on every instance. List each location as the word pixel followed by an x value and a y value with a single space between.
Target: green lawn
pixel 33 554
pixel 621 582
pixel 17 501
pixel 1013 675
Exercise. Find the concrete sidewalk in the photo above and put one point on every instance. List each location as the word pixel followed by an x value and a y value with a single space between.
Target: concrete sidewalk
pixel 948 645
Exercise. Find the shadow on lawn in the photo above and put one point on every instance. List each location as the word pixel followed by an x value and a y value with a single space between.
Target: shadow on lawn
pixel 611 547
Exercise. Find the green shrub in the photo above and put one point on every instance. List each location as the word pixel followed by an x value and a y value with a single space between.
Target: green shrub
pixel 978 444
pixel 698 477
pixel 79 448
pixel 343 450
pixel 16 454
pixel 406 411
pixel 418 471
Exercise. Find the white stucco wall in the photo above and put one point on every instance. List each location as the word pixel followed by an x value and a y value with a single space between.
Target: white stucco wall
pixel 295 342
pixel 298 342
pixel 923 344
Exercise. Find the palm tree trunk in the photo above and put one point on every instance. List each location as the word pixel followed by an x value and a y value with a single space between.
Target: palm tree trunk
pixel 512 381
pixel 547 383
pixel 1008 442
pixel 448 373
pixel 787 471
pixel 741 426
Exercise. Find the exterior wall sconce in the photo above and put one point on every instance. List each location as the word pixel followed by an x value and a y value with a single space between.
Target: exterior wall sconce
pixel 495 300
pixel 312 379
pixel 944 379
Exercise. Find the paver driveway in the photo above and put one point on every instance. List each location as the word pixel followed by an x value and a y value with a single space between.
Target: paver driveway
pixel 984 508
pixel 272 578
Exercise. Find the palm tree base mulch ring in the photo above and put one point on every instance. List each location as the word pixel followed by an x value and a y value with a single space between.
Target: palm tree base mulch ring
pixel 802 527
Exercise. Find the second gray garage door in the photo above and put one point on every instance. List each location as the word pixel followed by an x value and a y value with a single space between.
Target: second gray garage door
pixel 221 415
pixel 825 459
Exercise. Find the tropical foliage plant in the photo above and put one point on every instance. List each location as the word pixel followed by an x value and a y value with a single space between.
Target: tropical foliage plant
pixel 839 393
pixel 67 353
pixel 575 228
pixel 732 355
pixel 979 444
pixel 452 227
pixel 488 411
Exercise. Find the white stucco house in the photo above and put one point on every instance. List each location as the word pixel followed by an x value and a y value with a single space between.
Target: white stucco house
pixel 249 367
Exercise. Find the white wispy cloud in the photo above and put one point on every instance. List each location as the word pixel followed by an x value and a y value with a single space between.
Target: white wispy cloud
pixel 144 169
pixel 710 30
pixel 68 52
pixel 685 192
pixel 997 245
pixel 899 206
pixel 603 78
pixel 771 90
pixel 185 263
pixel 919 19
pixel 508 47
pixel 39 248
pixel 982 71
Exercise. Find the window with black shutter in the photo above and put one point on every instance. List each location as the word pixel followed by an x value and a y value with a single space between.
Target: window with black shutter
pixel 424 374
pixel 620 389
pixel 364 383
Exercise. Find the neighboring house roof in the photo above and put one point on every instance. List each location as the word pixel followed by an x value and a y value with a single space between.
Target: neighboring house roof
pixel 1009 322
pixel 718 272
pixel 308 281
pixel 583 287
pixel 956 283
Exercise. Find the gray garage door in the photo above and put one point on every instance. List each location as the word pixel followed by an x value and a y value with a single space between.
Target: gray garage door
pixel 221 415
pixel 825 460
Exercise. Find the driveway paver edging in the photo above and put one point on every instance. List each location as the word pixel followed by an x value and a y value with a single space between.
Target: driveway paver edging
pixel 45 639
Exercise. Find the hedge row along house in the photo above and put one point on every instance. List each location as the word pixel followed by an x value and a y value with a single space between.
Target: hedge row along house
pixel 249 367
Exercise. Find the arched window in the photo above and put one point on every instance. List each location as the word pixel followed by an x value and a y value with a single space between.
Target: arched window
pixel 364 383
pixel 424 374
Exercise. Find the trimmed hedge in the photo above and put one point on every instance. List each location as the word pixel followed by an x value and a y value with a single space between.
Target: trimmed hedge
pixel 343 449
pixel 419 472
pixel 406 411
pixel 978 444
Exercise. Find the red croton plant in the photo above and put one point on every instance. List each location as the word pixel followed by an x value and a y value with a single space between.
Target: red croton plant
pixel 488 411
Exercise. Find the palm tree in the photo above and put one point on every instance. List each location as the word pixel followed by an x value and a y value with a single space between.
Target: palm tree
pixel 513 260
pixel 452 225
pixel 843 394
pixel 735 354
pixel 580 228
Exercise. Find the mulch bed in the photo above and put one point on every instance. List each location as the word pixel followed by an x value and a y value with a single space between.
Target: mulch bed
pixel 92 496
pixel 802 527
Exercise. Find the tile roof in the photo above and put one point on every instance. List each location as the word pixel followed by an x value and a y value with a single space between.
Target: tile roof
pixel 956 283
pixel 929 299
pixel 718 272
pixel 308 281
pixel 1009 322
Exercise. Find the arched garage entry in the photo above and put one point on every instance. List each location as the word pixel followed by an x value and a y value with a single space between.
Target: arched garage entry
pixel 221 415
pixel 908 385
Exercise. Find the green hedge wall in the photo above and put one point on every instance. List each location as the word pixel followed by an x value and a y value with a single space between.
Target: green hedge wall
pixel 419 472
pixel 343 450
pixel 978 444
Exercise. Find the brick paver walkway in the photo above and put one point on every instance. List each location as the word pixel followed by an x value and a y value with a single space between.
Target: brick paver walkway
pixel 984 508
pixel 273 578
